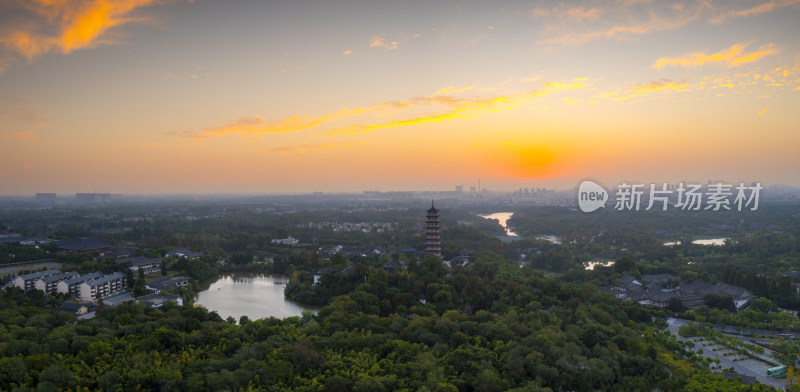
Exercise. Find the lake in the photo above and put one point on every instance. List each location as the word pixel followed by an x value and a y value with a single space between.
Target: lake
pixel 708 241
pixel 503 218
pixel 589 265
pixel 254 295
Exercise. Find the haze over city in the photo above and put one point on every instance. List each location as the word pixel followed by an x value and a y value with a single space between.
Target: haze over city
pixel 147 96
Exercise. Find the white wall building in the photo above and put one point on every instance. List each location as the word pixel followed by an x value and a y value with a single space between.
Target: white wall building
pixel 72 286
pixel 105 286
pixel 48 283
pixel 26 282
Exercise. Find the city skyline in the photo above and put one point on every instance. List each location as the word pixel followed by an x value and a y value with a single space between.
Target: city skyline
pixel 155 97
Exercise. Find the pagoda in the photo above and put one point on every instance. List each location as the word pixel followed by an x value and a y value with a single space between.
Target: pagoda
pixel 433 243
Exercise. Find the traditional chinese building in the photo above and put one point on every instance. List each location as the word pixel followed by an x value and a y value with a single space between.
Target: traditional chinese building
pixel 433 243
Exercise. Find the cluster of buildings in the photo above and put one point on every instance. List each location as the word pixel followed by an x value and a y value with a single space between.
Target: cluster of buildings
pixel 86 287
pixel 92 197
pixel 89 288
pixel 658 290
pixel 13 237
pixel 184 253
pixel 351 251
pixel 147 264
pixel 364 227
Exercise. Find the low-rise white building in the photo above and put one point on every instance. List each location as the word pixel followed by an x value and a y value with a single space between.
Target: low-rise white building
pixel 286 241
pixel 26 282
pixel 157 301
pixel 105 286
pixel 167 283
pixel 149 265
pixel 48 283
pixel 72 286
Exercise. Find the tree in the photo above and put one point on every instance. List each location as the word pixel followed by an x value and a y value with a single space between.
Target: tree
pixel 304 356
pixel 60 377
pixel 624 264
pixel 281 233
pixel 164 267
pixel 368 384
pixel 141 273
pixel 763 305
pixel 793 379
pixel 675 304
pixel 130 280
pixel 12 370
pixel 139 288
pixel 336 384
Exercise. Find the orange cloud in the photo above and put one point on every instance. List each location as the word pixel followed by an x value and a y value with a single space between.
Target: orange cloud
pixel 28 166
pixel 755 10
pixel 23 136
pixel 474 106
pixel 660 85
pixel 460 107
pixel 576 13
pixel 731 57
pixel 378 41
pixel 65 26
pixel 574 28
pixel 21 111
pixel 258 125
pixel 566 86
pixel 347 52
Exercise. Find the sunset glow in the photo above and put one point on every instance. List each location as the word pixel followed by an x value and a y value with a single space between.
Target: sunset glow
pixel 155 96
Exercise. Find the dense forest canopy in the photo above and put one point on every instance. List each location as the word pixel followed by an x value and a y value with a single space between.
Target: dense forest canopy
pixel 523 314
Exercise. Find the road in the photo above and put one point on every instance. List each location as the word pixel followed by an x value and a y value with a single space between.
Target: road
pixel 13 269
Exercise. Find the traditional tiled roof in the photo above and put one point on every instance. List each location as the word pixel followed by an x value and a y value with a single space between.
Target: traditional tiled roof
pixel 83 244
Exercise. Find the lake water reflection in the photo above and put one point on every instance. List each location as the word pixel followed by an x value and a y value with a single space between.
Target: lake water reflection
pixel 256 296
pixel 503 218
pixel 707 241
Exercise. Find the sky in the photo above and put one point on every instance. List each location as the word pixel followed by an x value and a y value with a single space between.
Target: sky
pixel 210 96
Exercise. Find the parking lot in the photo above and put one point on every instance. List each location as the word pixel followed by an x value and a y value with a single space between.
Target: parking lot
pixel 743 364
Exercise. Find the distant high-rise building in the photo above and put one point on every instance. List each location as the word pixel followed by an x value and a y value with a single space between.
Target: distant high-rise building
pixel 459 188
pixel 92 197
pixel 46 196
pixel 433 243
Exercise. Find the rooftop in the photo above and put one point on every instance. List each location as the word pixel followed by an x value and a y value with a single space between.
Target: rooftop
pixel 106 279
pixel 83 244
pixel 61 276
pixel 37 275
pixel 83 278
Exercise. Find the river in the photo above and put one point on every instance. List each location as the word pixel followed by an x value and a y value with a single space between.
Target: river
pixel 503 218
pixel 253 295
